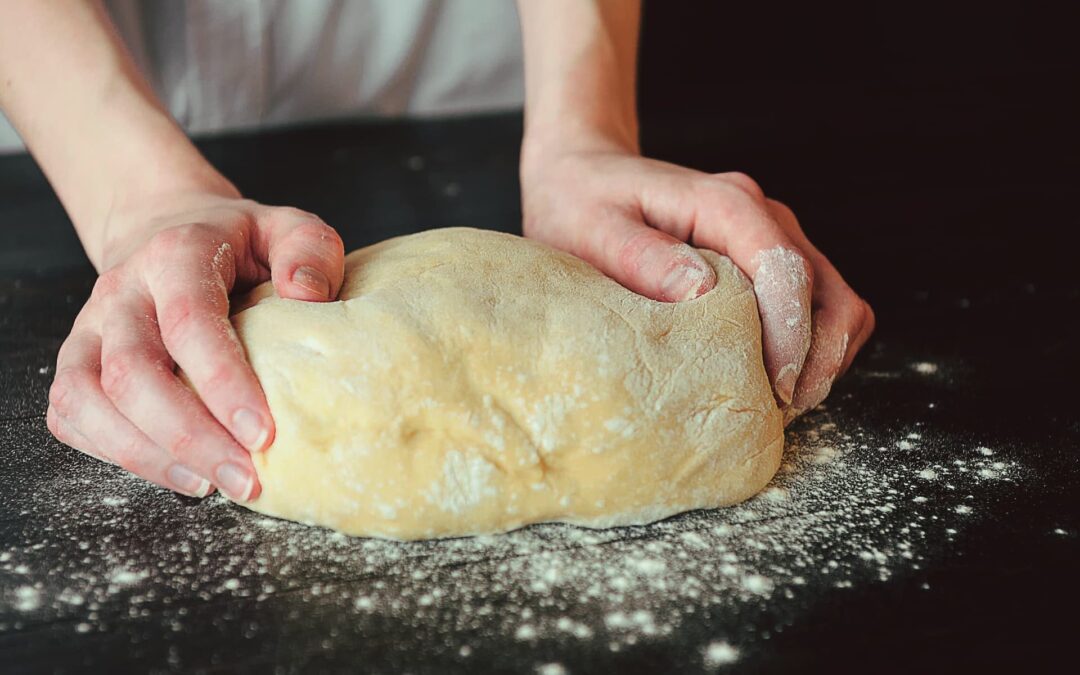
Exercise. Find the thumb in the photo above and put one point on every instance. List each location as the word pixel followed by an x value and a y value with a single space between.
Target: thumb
pixel 645 260
pixel 305 255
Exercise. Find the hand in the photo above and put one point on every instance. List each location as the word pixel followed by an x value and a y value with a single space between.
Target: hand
pixel 631 217
pixel 163 302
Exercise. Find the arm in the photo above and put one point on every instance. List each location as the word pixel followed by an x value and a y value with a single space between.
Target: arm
pixel 171 238
pixel 587 190
pixel 90 119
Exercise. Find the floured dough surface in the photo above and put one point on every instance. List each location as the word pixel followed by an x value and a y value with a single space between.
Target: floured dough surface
pixel 473 382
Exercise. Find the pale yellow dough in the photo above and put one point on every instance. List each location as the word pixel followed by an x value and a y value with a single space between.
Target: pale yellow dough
pixel 474 382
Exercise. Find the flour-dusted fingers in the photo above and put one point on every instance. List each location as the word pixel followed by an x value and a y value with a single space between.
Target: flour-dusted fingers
pixel 137 376
pixel 191 304
pixel 305 256
pixel 727 213
pixel 842 322
pixel 80 415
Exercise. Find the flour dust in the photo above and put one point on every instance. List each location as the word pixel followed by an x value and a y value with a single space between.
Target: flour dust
pixel 849 507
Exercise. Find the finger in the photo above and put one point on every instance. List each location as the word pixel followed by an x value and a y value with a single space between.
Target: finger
pixel 72 437
pixel 305 255
pixel 729 216
pixel 137 376
pixel 196 332
pixel 841 322
pixel 782 286
pixel 81 416
pixel 856 345
pixel 822 367
pixel 643 259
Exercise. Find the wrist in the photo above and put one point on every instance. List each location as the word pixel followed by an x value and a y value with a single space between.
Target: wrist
pixel 142 207
pixel 547 139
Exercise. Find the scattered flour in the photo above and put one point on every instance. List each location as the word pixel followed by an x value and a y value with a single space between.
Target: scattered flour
pixel 849 507
pixel 27 598
pixel 122 576
pixel 720 654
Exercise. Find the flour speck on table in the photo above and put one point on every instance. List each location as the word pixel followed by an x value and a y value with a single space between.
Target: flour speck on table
pixel 849 507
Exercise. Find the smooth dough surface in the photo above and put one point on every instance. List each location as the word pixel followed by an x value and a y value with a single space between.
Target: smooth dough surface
pixel 473 382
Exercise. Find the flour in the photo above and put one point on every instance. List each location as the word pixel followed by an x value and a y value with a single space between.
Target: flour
pixel 849 508
pixel 782 286
pixel 27 598
pixel 221 256
pixel 720 654
pixel 465 482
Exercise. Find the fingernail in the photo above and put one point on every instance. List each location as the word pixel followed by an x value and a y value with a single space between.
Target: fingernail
pixel 235 481
pixel 683 282
pixel 785 382
pixel 187 481
pixel 249 429
pixel 312 279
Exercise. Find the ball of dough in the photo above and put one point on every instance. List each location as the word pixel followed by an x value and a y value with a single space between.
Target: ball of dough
pixel 473 382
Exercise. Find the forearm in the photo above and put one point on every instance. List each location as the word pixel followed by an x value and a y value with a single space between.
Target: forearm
pixel 89 118
pixel 580 71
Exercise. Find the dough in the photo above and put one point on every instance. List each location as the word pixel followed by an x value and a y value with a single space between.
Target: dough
pixel 474 382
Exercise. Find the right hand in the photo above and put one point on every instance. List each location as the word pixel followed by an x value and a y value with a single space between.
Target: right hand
pixel 162 302
pixel 629 216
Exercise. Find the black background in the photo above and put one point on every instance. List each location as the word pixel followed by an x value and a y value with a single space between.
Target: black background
pixel 930 149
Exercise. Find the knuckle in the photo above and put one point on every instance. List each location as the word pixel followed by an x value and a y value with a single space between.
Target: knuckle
pixel 858 314
pixel 744 183
pixel 64 391
pixel 165 245
pixel 108 283
pixel 869 319
pixel 783 209
pixel 294 214
pixel 316 231
pixel 117 370
pixel 856 307
pixel 221 376
pixel 722 201
pixel 631 252
pixel 176 318
pixel 182 446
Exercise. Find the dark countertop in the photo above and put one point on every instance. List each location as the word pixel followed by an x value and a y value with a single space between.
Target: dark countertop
pixel 928 519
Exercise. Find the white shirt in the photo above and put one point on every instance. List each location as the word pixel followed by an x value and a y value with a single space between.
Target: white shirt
pixel 240 64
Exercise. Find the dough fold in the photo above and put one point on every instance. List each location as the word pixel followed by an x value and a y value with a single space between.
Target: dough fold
pixel 472 382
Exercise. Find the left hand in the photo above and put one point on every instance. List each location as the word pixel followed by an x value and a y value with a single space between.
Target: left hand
pixel 632 217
